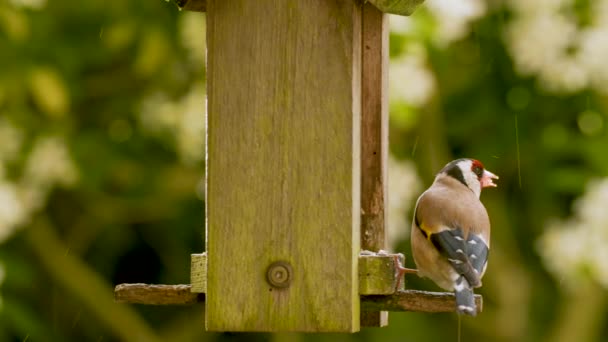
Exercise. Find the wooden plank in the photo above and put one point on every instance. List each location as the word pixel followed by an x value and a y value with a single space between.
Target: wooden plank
pixel 374 129
pixel 374 139
pixel 283 164
pixel 405 300
pixel 198 272
pixel 156 294
pixel 418 301
pixel 378 273
pixel 400 7
pixel 377 287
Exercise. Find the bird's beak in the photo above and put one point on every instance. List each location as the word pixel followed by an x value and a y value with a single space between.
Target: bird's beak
pixel 487 179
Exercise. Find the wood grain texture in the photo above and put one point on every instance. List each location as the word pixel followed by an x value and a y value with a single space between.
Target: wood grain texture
pixel 156 294
pixel 198 272
pixel 374 139
pixel 400 7
pixel 413 300
pixel 283 164
pixel 374 129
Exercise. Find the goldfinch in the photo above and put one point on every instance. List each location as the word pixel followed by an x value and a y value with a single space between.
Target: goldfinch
pixel 451 230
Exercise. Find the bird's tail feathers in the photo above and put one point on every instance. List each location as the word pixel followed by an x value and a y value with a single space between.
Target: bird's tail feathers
pixel 465 300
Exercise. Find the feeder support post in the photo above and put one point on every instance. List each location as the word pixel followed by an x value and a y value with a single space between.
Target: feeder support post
pixel 283 186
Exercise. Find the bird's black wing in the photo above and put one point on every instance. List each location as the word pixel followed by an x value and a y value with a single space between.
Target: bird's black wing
pixel 477 251
pixel 467 258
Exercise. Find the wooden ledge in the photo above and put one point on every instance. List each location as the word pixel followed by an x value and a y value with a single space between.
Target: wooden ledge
pixel 415 300
pixel 405 300
pixel 157 294
pixel 377 288
pixel 377 273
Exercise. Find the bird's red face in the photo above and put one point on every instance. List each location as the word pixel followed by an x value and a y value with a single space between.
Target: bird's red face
pixel 486 178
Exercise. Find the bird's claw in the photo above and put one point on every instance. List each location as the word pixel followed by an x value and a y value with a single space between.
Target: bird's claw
pixel 400 271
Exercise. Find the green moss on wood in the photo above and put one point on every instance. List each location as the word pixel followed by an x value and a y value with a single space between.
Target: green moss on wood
pixel 377 274
pixel 198 273
pixel 401 7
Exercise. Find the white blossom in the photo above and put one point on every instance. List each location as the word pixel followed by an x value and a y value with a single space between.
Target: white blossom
pixel 401 24
pixel 454 18
pixel 191 129
pixel 12 211
pixel 11 139
pixel 2 275
pixel 539 40
pixel 410 80
pixel 593 53
pixel 158 114
pixel 183 119
pixel 33 196
pixel 576 249
pixel 450 20
pixel 591 207
pixel 546 40
pixel 564 75
pixel 538 6
pixel 32 4
pixel 192 36
pixel 403 189
pixel 49 163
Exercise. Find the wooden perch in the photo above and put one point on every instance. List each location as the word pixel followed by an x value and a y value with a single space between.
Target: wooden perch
pixel 406 300
pixel 157 294
pixel 414 300
pixel 377 287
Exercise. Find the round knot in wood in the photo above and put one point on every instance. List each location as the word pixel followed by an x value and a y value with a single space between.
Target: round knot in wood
pixel 279 274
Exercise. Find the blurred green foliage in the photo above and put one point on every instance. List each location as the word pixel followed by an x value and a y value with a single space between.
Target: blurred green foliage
pixel 112 81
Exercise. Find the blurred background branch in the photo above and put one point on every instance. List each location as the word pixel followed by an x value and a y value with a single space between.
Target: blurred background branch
pixel 83 284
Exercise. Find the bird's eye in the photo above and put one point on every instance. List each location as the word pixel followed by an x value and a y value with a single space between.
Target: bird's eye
pixel 478 171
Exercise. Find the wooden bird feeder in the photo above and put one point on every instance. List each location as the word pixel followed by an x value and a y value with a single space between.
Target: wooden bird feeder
pixel 297 151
